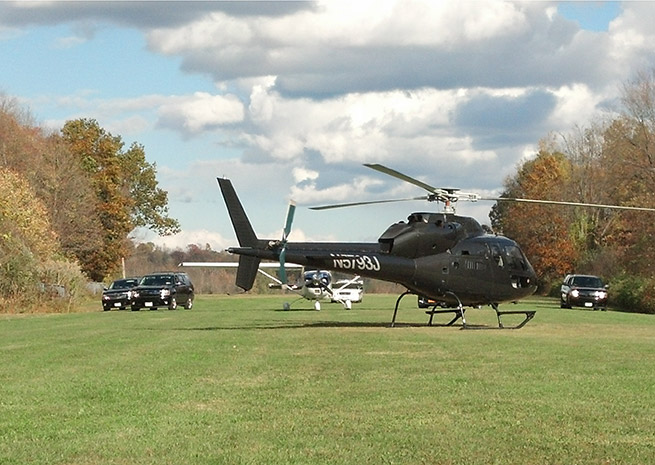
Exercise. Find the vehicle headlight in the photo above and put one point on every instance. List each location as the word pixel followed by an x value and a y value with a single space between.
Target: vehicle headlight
pixel 135 294
pixel 601 294
pixel 165 293
pixel 105 297
pixel 575 293
pixel 128 294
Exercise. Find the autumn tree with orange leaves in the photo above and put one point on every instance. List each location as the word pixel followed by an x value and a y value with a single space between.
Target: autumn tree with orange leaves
pixel 542 230
pixel 611 163
pixel 126 192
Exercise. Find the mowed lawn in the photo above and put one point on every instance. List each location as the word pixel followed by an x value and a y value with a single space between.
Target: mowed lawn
pixel 237 381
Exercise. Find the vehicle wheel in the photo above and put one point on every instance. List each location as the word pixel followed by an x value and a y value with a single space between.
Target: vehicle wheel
pixel 189 304
pixel 135 308
pixel 172 304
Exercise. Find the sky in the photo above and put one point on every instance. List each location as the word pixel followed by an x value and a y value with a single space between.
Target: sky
pixel 290 99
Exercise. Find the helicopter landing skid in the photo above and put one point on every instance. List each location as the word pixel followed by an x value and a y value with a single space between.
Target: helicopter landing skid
pixel 459 313
pixel 529 314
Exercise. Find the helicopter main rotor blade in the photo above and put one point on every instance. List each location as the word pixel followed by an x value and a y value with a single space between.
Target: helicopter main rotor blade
pixel 401 176
pixel 570 204
pixel 451 195
pixel 371 202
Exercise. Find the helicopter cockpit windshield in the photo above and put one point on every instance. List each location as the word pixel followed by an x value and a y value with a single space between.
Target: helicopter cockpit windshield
pixel 515 259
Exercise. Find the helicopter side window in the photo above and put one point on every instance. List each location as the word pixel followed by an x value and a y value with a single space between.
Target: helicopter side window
pixel 497 255
pixel 479 250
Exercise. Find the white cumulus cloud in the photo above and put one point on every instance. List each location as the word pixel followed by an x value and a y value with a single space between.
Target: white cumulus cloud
pixel 200 111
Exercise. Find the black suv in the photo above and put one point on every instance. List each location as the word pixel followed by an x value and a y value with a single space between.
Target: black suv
pixel 580 290
pixel 118 294
pixel 163 290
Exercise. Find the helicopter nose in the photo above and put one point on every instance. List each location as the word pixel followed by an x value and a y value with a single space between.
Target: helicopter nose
pixel 525 283
pixel 521 282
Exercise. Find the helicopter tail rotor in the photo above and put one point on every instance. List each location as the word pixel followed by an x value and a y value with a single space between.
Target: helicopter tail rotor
pixel 283 242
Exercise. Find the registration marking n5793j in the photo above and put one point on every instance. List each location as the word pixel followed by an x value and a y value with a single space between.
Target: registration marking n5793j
pixel 355 262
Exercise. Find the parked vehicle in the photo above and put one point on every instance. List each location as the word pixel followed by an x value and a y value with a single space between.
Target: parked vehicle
pixel 348 290
pixel 166 289
pixel 583 291
pixel 119 294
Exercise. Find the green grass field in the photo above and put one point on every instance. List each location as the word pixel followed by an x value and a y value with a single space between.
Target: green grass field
pixel 235 381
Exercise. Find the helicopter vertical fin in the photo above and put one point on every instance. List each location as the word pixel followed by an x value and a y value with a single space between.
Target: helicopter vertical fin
pixel 246 236
pixel 242 227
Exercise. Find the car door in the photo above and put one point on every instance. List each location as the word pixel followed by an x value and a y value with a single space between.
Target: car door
pixel 183 285
pixel 180 289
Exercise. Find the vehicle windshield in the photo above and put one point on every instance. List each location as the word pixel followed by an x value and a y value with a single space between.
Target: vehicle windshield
pixel 123 284
pixel 587 281
pixel 156 280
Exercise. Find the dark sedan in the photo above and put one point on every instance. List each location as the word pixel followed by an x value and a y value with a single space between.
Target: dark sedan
pixel 119 294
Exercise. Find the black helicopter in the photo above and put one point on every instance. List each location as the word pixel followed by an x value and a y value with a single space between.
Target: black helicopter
pixel 449 259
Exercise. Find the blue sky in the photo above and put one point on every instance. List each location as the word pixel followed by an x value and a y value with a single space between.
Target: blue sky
pixel 590 15
pixel 289 99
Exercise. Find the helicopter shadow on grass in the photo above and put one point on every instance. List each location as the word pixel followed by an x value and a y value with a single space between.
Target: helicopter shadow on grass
pixel 328 324
pixel 286 310
pixel 314 324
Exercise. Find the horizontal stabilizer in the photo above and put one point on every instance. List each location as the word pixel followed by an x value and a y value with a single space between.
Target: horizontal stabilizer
pixel 247 271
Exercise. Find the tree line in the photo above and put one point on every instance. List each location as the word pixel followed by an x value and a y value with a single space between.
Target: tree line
pixel 611 161
pixel 68 201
